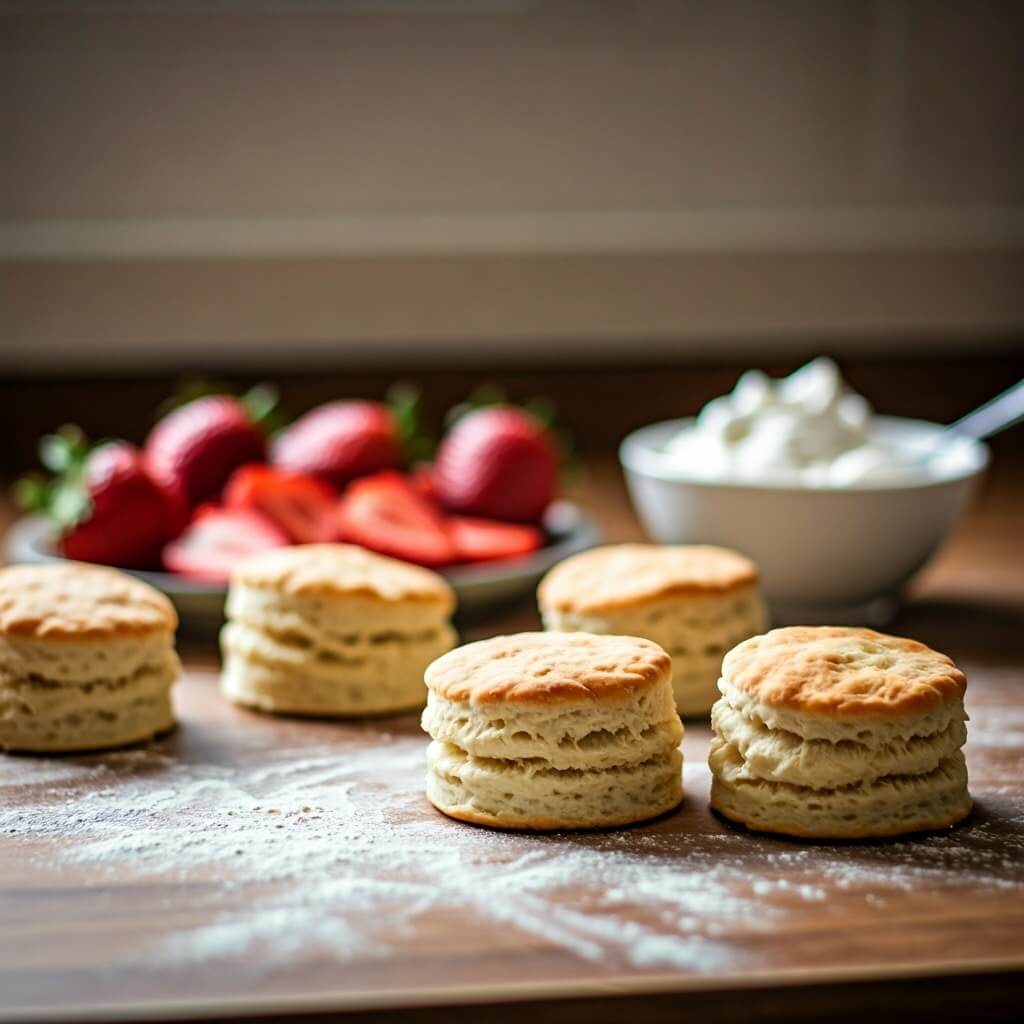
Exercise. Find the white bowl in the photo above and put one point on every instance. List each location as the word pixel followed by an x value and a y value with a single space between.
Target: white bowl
pixel 824 554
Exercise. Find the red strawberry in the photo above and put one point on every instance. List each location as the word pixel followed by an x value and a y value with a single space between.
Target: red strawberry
pixel 422 481
pixel 340 441
pixel 301 505
pixel 130 519
pixel 497 462
pixel 194 449
pixel 385 514
pixel 479 540
pixel 104 505
pixel 217 539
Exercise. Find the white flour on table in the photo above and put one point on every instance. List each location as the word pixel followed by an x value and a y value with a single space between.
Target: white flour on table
pixel 330 848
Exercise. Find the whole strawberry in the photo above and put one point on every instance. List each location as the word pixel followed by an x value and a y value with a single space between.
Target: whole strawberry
pixel 194 449
pixel 103 503
pixel 340 441
pixel 498 462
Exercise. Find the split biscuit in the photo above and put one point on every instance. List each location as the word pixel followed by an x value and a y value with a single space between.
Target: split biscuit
pixel 695 601
pixel 332 630
pixel 830 732
pixel 87 658
pixel 552 731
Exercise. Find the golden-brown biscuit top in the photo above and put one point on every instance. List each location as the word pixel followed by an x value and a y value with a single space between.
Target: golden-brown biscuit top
pixel 623 575
pixel 339 571
pixel 843 672
pixel 543 668
pixel 73 601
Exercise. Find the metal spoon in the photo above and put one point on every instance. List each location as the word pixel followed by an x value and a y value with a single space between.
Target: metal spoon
pixel 994 416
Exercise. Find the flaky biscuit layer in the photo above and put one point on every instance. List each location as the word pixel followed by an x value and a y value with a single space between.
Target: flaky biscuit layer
pixel 382 685
pixel 889 806
pixel 532 795
pixel 581 735
pixel 774 755
pixel 41 718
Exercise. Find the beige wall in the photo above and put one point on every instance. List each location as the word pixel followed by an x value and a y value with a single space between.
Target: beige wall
pixel 181 185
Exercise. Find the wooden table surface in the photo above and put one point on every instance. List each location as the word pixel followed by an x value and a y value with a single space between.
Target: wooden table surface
pixel 249 865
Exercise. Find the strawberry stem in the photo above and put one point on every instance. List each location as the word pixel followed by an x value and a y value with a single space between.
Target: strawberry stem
pixel 188 390
pixel 403 399
pixel 479 398
pixel 31 492
pixel 69 502
pixel 64 450
pixel 263 404
pixel 261 401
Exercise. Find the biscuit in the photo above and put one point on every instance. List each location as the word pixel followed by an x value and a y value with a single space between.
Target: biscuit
pixel 332 630
pixel 829 732
pixel 695 601
pixel 550 731
pixel 87 659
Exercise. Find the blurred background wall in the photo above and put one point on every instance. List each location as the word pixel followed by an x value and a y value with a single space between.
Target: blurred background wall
pixel 280 185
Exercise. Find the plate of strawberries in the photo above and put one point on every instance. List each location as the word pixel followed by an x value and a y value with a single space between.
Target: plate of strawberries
pixel 220 478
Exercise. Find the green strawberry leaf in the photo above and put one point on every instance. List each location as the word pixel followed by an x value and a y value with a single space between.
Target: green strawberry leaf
pixel 69 503
pixel 479 398
pixel 32 493
pixel 263 403
pixel 187 391
pixel 543 410
pixel 63 450
pixel 63 498
pixel 404 401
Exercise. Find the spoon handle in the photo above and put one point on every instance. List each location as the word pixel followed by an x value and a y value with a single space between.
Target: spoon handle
pixel 995 415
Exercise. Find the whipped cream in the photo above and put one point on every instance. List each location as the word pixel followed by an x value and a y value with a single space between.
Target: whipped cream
pixel 808 429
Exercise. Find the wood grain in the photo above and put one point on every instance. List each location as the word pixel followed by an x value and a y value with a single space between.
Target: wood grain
pixel 796 930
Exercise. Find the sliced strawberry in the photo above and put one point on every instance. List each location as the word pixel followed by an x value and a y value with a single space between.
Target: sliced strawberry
pixel 301 505
pixel 217 540
pixel 422 481
pixel 385 514
pixel 480 540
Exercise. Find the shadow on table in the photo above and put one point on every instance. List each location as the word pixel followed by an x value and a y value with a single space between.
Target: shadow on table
pixel 983 629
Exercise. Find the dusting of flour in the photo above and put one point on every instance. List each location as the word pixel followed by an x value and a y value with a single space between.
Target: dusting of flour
pixel 331 848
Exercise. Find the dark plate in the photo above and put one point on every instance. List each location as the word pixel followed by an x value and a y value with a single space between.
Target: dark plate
pixel 482 585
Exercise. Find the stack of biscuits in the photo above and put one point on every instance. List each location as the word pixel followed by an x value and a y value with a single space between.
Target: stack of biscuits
pixel 332 629
pixel 86 658
pixel 695 601
pixel 550 731
pixel 827 732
